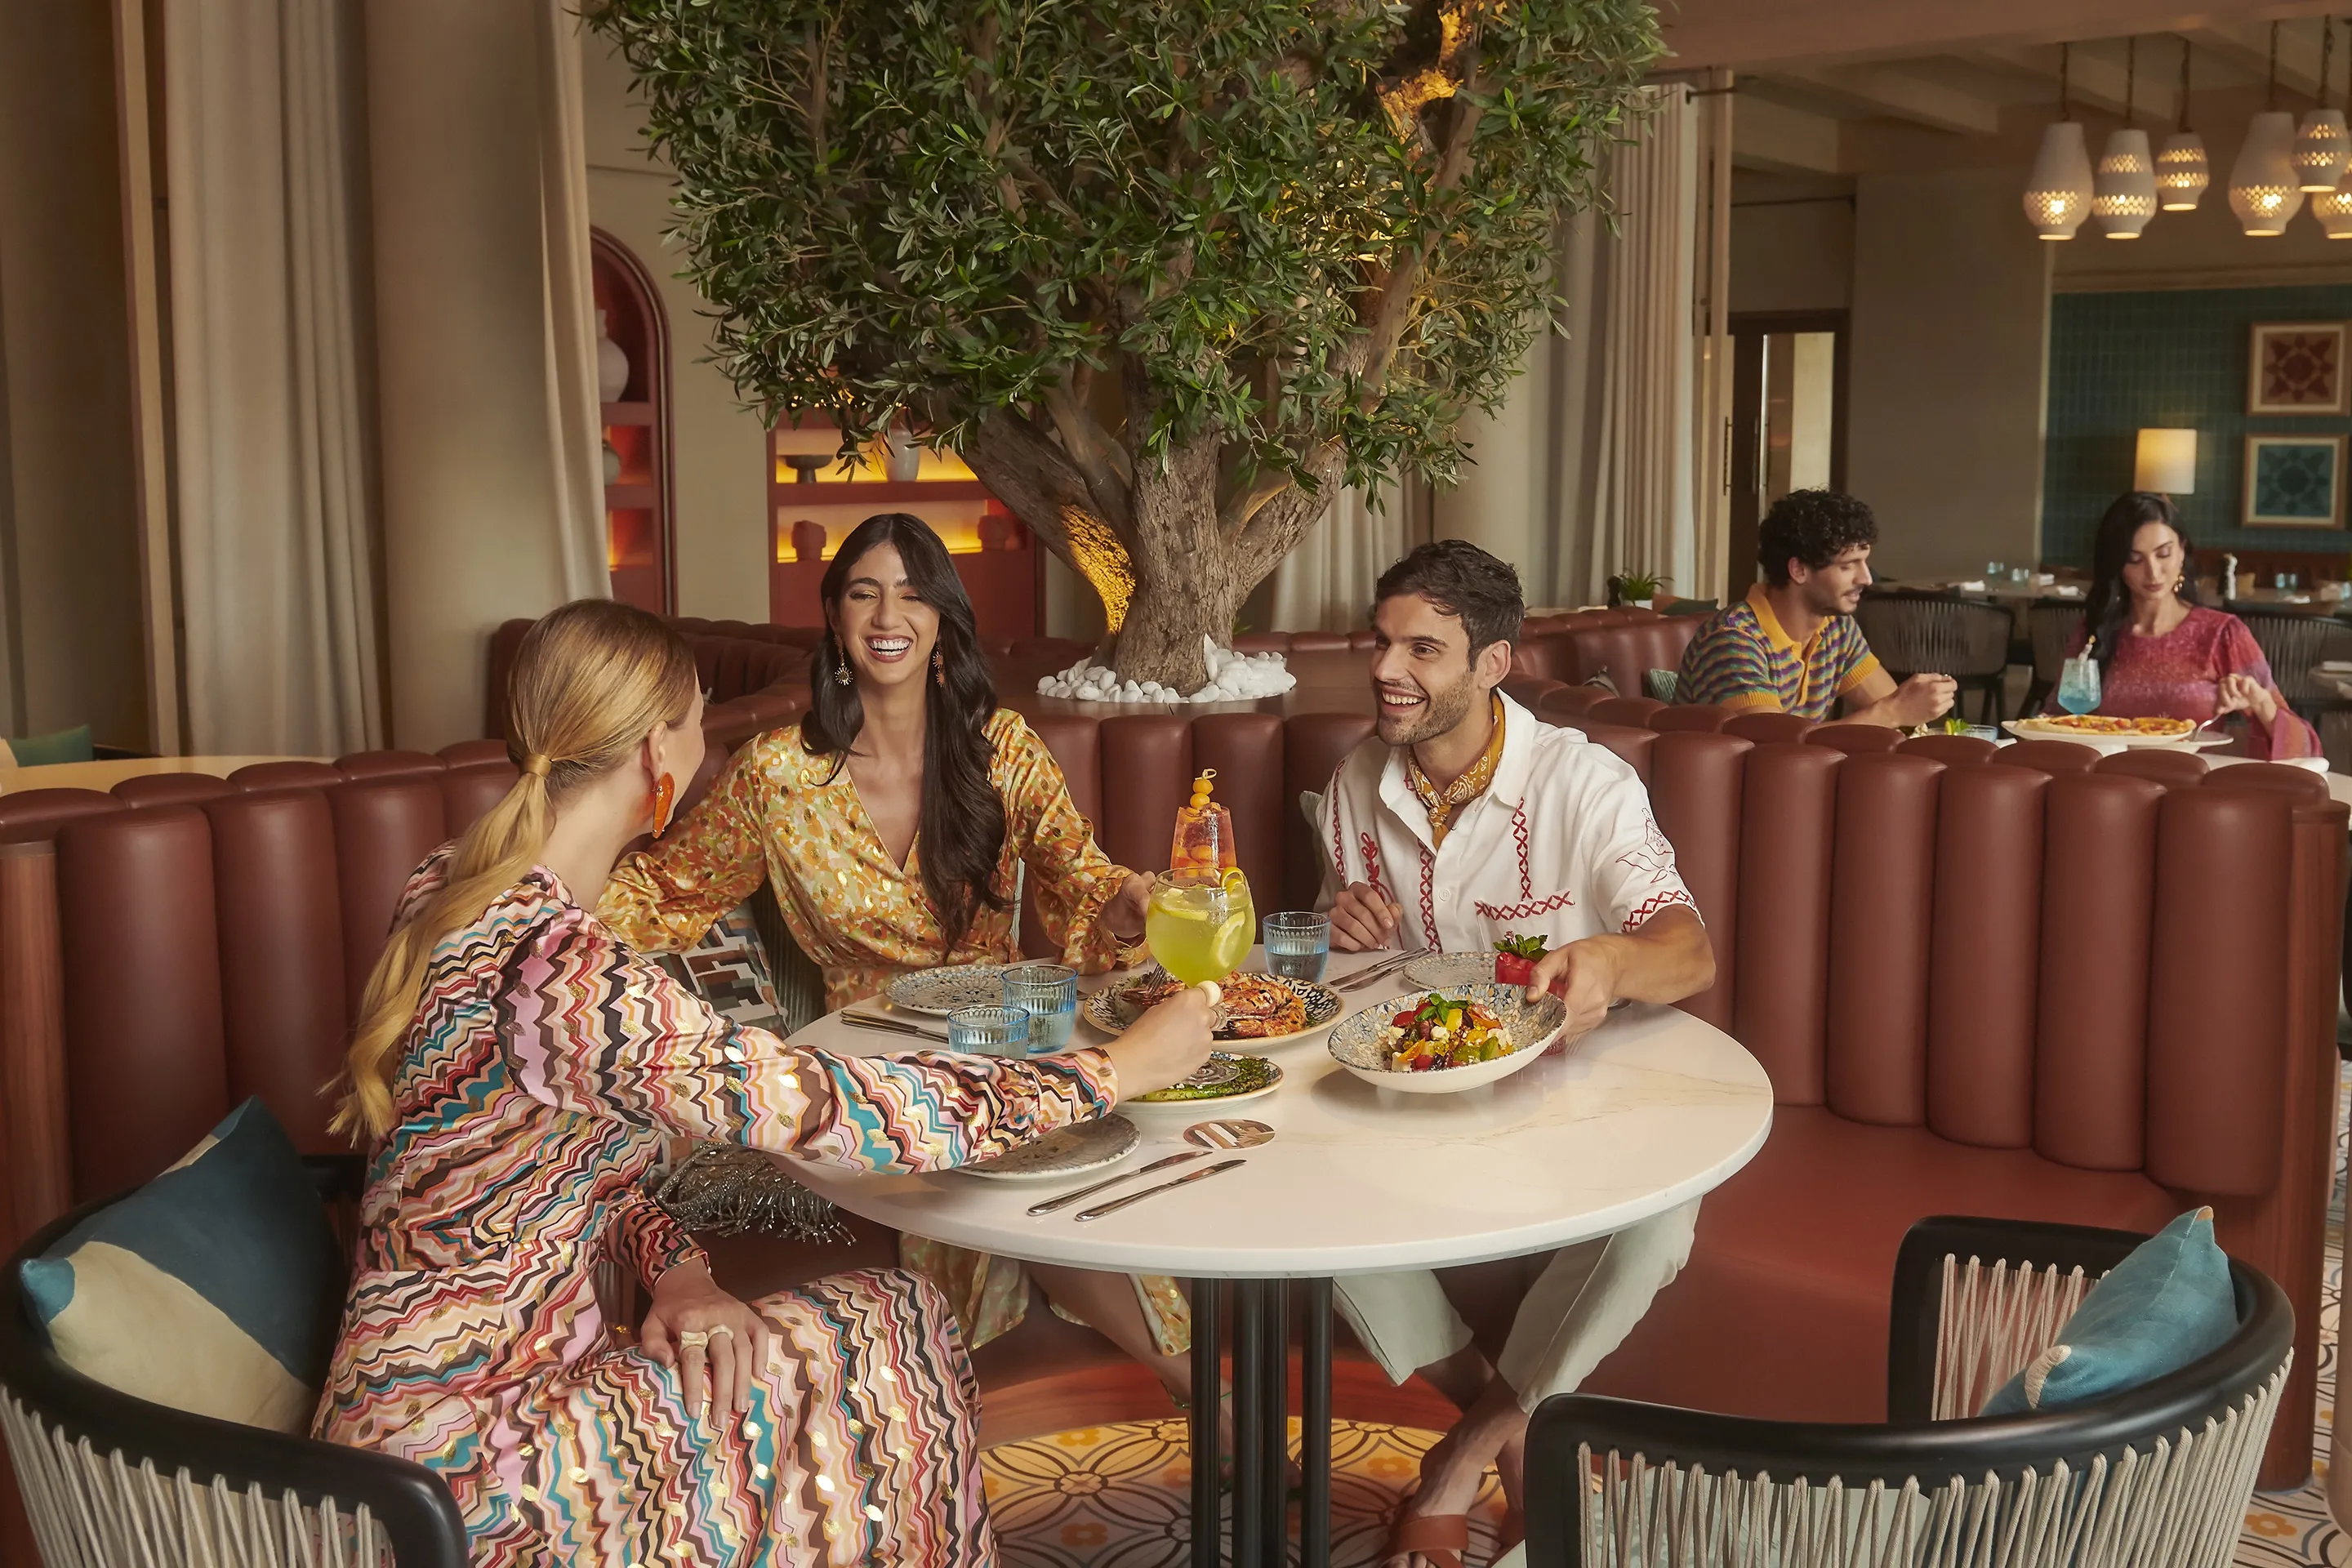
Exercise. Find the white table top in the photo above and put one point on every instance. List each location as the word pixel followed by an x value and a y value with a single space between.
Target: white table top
pixel 1651 1109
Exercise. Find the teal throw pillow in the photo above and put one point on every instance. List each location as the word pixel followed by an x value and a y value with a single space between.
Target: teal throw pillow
pixel 2167 1304
pixel 64 746
pixel 1660 685
pixel 215 1289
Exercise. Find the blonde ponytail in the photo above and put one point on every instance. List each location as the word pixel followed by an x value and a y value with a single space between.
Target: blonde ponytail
pixel 591 681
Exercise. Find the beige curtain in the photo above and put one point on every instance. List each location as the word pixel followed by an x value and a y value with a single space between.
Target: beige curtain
pixel 1625 383
pixel 486 335
pixel 1325 585
pixel 569 320
pixel 270 438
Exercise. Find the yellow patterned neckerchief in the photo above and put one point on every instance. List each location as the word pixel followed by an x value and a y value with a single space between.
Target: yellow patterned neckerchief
pixel 1443 803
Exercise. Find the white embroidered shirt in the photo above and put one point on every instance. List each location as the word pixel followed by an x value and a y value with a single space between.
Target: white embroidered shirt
pixel 1561 845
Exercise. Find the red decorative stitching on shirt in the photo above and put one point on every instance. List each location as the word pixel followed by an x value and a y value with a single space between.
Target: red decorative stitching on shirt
pixel 1656 901
pixel 1372 853
pixel 1527 910
pixel 1429 902
pixel 1338 844
pixel 1519 832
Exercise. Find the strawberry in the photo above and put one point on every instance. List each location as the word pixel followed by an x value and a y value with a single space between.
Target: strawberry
pixel 1514 959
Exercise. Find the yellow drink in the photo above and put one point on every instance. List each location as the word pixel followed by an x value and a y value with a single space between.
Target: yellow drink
pixel 1200 924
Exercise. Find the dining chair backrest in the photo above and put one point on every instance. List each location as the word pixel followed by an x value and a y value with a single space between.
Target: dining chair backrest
pixel 2294 646
pixel 2050 625
pixel 1912 633
pixel 1613 1483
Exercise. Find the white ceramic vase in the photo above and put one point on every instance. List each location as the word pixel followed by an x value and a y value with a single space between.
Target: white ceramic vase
pixel 906 464
pixel 612 363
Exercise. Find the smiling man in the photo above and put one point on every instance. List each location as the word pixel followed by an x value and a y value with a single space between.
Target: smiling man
pixel 1792 646
pixel 1466 820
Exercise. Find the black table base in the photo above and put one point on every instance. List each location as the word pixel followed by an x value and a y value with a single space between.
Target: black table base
pixel 1260 1333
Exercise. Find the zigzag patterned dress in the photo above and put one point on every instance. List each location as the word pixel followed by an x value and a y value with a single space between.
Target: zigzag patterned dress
pixel 548 1064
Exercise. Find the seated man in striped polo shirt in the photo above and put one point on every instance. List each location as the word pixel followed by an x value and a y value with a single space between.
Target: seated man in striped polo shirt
pixel 1791 645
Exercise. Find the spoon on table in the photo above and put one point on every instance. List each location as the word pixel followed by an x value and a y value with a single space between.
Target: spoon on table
pixel 1234 1134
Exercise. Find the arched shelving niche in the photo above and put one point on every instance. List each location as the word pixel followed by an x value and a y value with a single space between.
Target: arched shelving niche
pixel 640 503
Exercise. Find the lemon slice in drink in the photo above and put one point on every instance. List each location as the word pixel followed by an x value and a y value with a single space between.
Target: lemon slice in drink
pixel 1231 944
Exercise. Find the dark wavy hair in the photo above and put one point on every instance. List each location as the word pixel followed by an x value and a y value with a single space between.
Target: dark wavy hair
pixel 2109 609
pixel 1815 527
pixel 1465 581
pixel 962 824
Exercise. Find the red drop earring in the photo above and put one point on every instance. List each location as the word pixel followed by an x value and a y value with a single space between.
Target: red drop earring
pixel 939 669
pixel 665 795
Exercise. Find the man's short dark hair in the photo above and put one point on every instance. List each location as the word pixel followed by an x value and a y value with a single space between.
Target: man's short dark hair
pixel 1815 527
pixel 1464 582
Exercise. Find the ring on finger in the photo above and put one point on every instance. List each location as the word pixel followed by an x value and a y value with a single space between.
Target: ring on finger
pixel 718 1330
pixel 692 1338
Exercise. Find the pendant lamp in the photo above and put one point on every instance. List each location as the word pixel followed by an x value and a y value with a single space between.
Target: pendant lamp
pixel 2123 190
pixel 2321 147
pixel 2334 208
pixel 2058 195
pixel 2263 190
pixel 2181 171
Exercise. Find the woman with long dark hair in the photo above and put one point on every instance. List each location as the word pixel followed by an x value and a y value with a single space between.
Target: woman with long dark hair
pixel 518 1071
pixel 2162 655
pixel 893 822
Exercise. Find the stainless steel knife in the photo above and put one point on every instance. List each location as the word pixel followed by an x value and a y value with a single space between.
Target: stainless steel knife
pixel 891 1027
pixel 1118 1203
pixel 1050 1204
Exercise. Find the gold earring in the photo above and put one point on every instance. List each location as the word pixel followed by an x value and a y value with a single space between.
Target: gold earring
pixel 841 676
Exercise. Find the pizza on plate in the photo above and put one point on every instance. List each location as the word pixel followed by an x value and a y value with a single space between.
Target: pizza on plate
pixel 2103 724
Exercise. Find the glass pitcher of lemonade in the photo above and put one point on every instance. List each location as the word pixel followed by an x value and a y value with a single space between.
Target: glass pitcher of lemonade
pixel 1200 918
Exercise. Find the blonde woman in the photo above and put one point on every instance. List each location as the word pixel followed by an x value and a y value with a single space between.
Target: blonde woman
pixel 518 1069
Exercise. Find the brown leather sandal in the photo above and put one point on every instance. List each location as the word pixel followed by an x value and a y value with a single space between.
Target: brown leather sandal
pixel 1441 1538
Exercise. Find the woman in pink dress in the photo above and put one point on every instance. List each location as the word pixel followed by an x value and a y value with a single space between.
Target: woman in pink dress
pixel 2161 653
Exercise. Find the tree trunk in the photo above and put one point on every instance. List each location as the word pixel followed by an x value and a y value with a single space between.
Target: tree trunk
pixel 1168 572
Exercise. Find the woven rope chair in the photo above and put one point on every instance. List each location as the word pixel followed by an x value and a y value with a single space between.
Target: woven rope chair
pixel 1920 632
pixel 2157 1477
pixel 2050 625
pixel 2294 645
pixel 109 1480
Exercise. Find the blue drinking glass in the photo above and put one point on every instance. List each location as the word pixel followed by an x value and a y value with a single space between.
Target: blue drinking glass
pixel 1048 994
pixel 990 1031
pixel 1297 943
pixel 2078 685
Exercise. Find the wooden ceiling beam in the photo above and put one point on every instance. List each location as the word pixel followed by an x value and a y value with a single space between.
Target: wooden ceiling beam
pixel 1899 94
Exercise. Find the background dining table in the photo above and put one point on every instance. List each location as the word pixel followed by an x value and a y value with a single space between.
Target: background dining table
pixel 1648 1112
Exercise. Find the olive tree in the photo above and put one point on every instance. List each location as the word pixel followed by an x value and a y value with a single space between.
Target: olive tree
pixel 1162 271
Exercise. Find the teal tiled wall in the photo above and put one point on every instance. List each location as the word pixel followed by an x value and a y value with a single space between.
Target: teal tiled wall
pixel 2168 357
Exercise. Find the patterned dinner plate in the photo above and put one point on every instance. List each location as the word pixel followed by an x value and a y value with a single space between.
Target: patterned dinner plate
pixel 1437 971
pixel 1072 1152
pixel 2048 729
pixel 1224 1079
pixel 1107 1010
pixel 940 992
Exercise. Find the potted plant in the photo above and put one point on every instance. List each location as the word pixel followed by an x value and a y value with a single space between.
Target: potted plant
pixel 1635 588
pixel 1163 272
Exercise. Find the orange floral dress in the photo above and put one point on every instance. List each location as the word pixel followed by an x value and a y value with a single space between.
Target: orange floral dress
pixel 779 814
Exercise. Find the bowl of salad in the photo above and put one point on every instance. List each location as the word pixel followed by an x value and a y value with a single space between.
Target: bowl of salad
pixel 1450 1039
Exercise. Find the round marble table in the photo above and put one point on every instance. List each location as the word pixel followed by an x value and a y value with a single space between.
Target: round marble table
pixel 1652 1110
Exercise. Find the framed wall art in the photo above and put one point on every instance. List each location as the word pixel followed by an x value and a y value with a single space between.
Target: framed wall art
pixel 2298 367
pixel 2294 482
